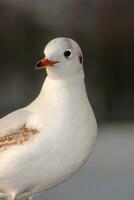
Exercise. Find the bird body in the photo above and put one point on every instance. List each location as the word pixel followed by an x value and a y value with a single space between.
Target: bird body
pixel 49 140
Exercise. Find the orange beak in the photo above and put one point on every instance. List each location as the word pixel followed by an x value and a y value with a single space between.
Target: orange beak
pixel 43 63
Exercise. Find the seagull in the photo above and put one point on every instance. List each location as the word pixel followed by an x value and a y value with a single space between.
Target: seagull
pixel 46 142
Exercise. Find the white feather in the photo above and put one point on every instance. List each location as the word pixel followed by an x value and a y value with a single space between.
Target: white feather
pixel 13 121
pixel 66 124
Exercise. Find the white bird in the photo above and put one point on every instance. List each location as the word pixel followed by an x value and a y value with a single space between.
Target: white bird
pixel 46 142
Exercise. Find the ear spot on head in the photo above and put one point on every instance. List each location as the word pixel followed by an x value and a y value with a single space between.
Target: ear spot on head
pixel 80 59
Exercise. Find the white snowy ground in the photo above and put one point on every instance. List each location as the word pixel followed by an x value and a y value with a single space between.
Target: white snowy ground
pixel 108 174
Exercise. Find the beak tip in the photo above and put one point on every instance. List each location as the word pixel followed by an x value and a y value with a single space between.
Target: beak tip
pixel 39 65
pixel 45 63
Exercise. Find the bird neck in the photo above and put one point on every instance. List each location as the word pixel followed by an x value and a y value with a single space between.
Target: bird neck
pixel 58 91
pixel 74 80
pixel 64 72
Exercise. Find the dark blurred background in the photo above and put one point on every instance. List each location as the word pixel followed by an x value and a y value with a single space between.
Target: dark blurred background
pixel 105 31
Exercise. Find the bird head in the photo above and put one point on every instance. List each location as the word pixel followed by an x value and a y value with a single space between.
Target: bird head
pixel 63 58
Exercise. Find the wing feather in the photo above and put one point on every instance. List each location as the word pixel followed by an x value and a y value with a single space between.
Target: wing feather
pixel 13 121
pixel 17 138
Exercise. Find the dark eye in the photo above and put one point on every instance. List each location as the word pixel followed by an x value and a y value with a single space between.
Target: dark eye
pixel 67 53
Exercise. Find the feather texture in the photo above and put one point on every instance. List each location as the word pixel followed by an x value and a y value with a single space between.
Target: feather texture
pixel 17 138
pixel 14 121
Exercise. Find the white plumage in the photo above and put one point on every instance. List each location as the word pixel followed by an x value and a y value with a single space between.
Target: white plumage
pixel 64 122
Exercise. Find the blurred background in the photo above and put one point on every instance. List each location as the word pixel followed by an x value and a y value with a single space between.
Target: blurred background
pixel 105 31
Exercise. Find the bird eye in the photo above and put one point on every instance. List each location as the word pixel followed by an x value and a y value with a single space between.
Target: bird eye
pixel 67 53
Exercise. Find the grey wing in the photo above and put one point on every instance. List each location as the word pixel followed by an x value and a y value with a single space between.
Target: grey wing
pixel 13 121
